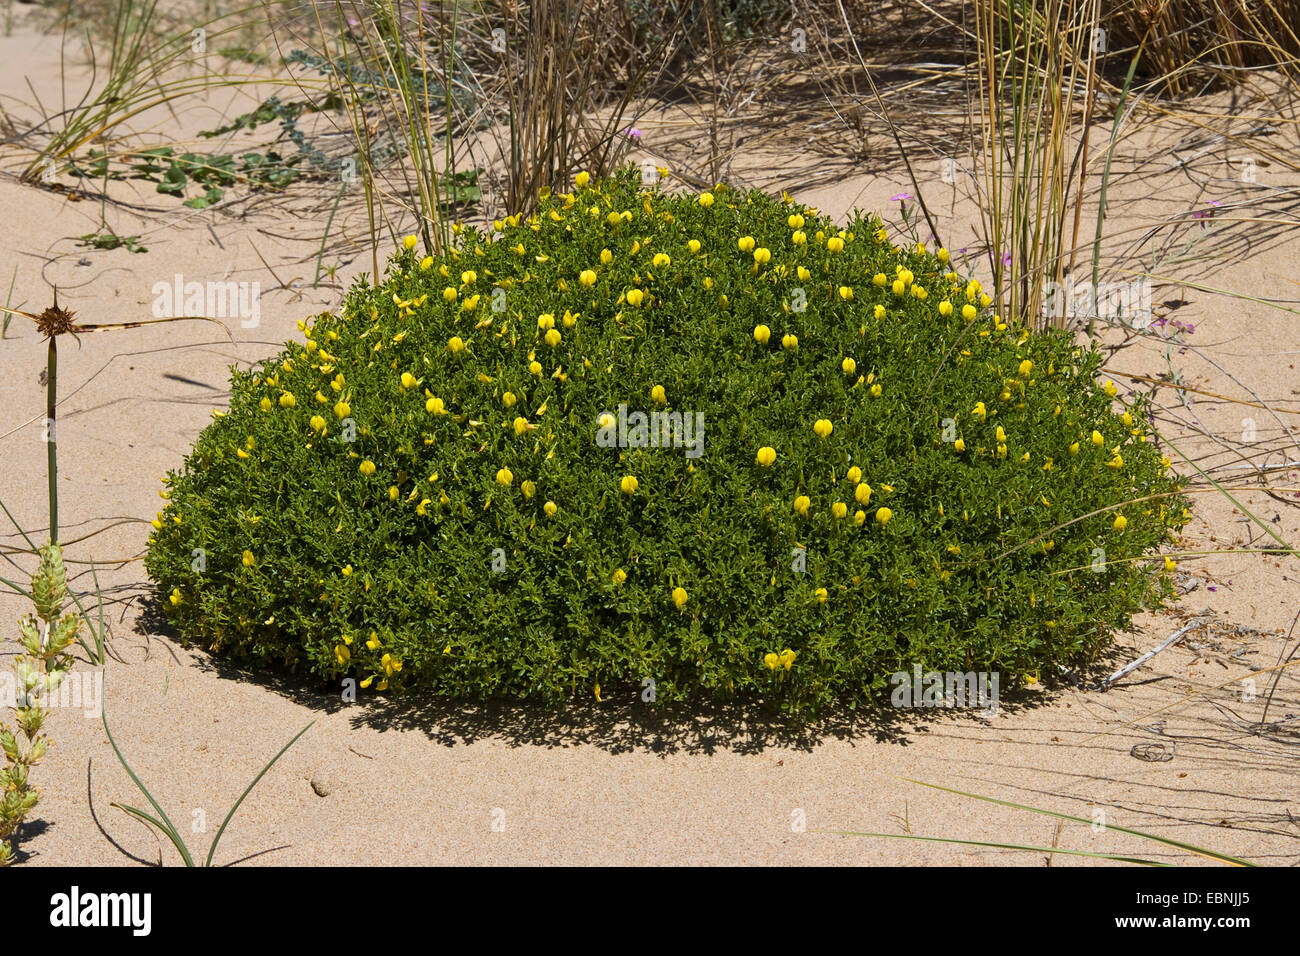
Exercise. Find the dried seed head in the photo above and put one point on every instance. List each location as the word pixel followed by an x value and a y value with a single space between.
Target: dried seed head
pixel 56 321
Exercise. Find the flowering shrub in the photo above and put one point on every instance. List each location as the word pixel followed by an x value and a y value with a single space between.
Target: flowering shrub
pixel 452 486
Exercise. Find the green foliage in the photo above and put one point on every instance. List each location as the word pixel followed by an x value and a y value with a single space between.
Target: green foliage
pixel 380 503
pixel 174 173
pixel 45 637
pixel 108 239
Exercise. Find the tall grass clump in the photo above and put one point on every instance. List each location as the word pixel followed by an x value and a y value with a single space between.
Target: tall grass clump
pixel 448 489
pixel 1037 67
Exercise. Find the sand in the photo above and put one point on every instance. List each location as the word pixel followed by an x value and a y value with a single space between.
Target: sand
pixel 387 783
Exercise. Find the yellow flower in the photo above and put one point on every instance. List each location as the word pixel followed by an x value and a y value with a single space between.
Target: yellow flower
pixel 620 576
pixel 508 399
pixel 341 652
pixel 693 246
pixel 862 494
pixel 839 510
pixel 789 341
pixel 317 424
pixel 553 337
pixel 854 474
pixel 1120 523
pixel 883 515
pixel 1074 448
pixel 762 255
pixel 1097 439
pixel 1110 388
pixel 880 279
pixel 347 570
pixel 587 277
pixel 408 380
pixel 287 400
pixel 969 312
pixel 822 597
pixel 804 274
pixel 772 661
pixel 435 406
pixel 766 455
pixel 945 308
pixel 409 242
pixel 520 424
pixel 801 505
pixel 635 297
pixel 393 492
pixel 504 477
pixel 1170 563
pixel 657 394
pixel 1117 462
pixel 745 243
pixel 367 467
pixel 876 390
pixel 546 321
pixel 941 254
pixel 959 445
pixel 705 200
pixel 368 681
pixel 879 311
pixel 1001 435
pixel 629 484
pixel 680 597
pixel 535 368
pixel 248 559
pixel 455 343
pixel 449 294
pixel 823 427
pixel 660 260
pixel 266 405
pixel 175 596
pixel 581 179
pixel 426 263
pixel 795 221
pixel 761 334
pixel 342 409
pixel 834 244
pixel 528 488
pixel 550 508
pixel 846 293
pixel 859 518
pixel 1025 368
pixel 799 237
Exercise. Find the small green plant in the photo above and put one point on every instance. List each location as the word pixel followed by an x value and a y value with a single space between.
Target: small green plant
pixel 46 636
pixel 174 173
pixel 438 491
pixel 107 239
pixel 163 822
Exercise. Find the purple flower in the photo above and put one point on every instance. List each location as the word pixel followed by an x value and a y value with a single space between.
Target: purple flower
pixel 1204 214
pixel 633 133
pixel 900 197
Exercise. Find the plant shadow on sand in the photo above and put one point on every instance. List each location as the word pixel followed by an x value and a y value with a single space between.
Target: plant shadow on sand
pixel 614 725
